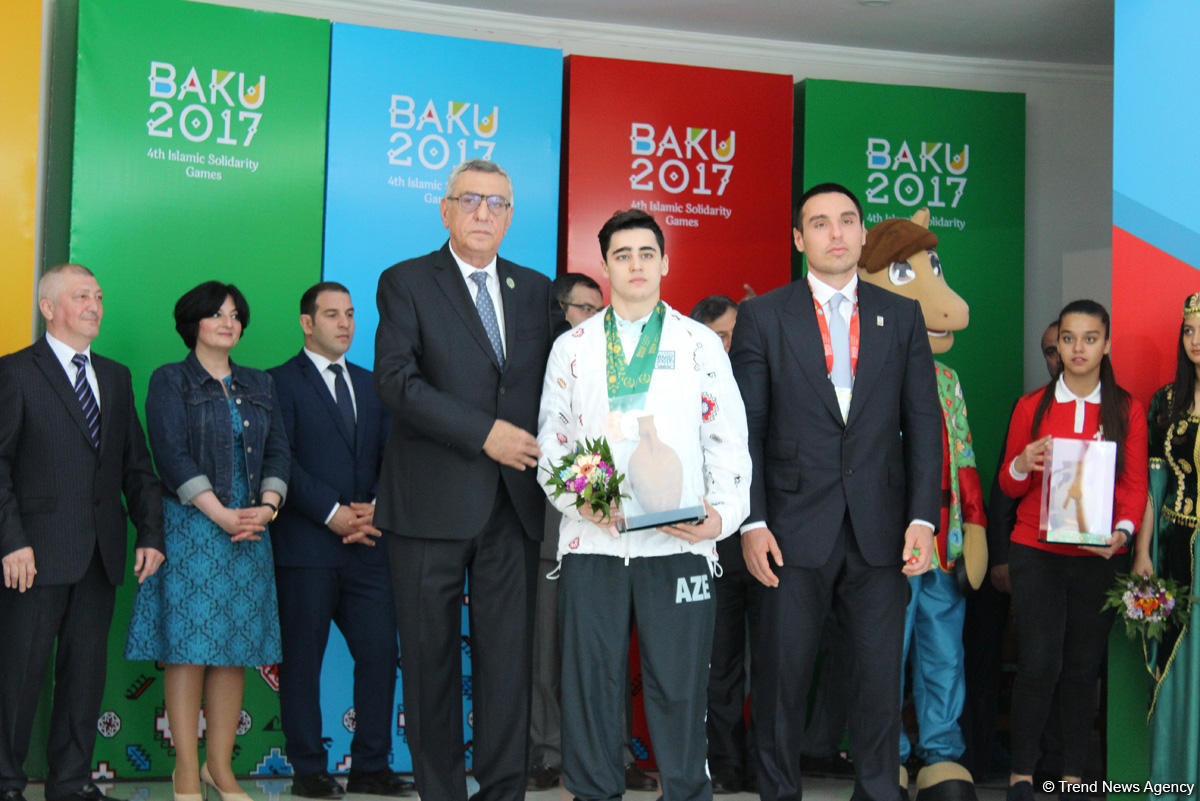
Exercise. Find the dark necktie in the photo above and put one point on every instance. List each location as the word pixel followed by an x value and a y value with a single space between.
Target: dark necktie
pixel 87 400
pixel 487 314
pixel 341 391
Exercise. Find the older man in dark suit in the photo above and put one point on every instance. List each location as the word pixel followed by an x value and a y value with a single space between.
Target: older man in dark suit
pixel 459 356
pixel 330 565
pixel 845 436
pixel 70 447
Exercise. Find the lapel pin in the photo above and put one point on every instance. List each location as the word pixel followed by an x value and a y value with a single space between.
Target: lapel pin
pixel 510 283
pixel 879 320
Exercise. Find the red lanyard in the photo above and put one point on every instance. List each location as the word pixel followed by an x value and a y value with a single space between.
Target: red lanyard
pixel 823 324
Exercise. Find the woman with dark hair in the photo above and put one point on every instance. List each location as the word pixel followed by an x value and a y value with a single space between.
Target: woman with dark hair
pixel 1168 545
pixel 219 445
pixel 1058 588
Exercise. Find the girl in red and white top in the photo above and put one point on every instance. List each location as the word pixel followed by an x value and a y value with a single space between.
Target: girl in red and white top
pixel 1058 588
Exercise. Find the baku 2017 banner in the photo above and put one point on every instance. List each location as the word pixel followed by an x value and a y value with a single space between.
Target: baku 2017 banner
pixel 706 151
pixel 199 154
pixel 961 155
pixel 404 109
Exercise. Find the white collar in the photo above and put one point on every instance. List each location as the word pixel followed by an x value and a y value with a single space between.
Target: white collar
pixel 322 364
pixel 469 269
pixel 65 352
pixel 823 291
pixel 1063 394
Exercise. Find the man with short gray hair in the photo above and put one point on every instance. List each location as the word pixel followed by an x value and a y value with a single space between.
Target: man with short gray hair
pixel 459 355
pixel 71 448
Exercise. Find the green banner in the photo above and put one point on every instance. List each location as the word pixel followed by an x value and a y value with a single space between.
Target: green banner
pixel 961 154
pixel 199 154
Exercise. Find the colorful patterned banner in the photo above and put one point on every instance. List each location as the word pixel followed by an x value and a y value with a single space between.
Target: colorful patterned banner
pixel 199 154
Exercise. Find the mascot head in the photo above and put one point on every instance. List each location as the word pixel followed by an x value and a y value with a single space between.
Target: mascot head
pixel 900 255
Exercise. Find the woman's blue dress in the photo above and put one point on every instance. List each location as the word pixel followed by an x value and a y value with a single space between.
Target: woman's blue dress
pixel 213 601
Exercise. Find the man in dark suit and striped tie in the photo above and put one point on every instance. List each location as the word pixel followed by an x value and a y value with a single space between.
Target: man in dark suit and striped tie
pixel 70 447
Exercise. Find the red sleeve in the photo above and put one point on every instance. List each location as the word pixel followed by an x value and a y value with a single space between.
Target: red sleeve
pixel 1018 438
pixel 1129 501
pixel 970 494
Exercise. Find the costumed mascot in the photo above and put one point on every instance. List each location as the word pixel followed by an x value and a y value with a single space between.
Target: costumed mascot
pixel 900 256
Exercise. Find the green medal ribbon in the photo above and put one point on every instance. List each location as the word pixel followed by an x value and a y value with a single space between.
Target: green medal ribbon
pixel 628 381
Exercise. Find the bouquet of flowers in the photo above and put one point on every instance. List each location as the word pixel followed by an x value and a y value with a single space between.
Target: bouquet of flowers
pixel 1148 605
pixel 588 473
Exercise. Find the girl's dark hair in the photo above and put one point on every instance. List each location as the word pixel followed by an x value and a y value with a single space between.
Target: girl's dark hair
pixel 203 301
pixel 1114 401
pixel 1183 388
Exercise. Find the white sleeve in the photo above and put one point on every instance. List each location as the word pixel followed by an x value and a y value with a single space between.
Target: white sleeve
pixel 558 423
pixel 723 438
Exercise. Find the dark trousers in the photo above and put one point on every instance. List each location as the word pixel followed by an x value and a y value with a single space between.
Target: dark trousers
pixel 983 636
pixel 1063 638
pixel 730 740
pixel 358 597
pixel 671 599
pixel 429 578
pixel 78 617
pixel 869 603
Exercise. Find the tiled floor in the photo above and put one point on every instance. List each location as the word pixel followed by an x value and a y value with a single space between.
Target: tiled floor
pixel 277 789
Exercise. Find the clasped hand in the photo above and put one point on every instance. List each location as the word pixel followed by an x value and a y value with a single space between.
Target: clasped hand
pixel 355 524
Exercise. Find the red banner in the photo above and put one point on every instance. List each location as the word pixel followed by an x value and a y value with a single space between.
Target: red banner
pixel 708 152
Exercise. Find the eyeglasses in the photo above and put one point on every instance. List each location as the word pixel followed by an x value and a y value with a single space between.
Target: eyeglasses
pixel 586 308
pixel 469 201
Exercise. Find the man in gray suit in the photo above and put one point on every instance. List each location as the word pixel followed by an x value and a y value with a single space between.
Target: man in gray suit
pixel 70 447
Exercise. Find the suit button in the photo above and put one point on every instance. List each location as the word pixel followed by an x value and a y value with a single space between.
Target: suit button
pixel 249 450
pixel 501 390
pixel 849 471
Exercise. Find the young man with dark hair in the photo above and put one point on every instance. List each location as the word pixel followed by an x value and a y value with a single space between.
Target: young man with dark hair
pixel 658 386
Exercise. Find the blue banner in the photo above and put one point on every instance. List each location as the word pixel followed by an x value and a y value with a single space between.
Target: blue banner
pixel 404 109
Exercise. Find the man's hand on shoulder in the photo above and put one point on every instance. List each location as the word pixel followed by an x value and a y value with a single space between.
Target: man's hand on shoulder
pixel 19 569
pixel 512 446
pixel 146 562
pixel 918 549
pixel 758 548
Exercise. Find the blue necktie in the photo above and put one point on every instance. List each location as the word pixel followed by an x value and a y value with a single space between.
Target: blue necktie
pixel 487 314
pixel 87 401
pixel 839 338
pixel 345 405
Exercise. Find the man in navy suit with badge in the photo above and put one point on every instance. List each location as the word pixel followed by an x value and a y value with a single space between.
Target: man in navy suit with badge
pixel 330 562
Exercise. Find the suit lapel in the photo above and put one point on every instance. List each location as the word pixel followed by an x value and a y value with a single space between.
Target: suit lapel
pixel 875 325
pixel 48 363
pixel 508 291
pixel 803 336
pixel 317 382
pixel 363 392
pixel 450 279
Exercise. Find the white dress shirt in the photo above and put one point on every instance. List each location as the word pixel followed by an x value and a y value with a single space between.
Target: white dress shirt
pixel 493 286
pixel 64 354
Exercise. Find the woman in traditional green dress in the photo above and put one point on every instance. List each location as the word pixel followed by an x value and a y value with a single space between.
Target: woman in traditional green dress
pixel 1171 515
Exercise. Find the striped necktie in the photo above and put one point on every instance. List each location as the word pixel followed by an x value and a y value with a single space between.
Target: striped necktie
pixel 87 400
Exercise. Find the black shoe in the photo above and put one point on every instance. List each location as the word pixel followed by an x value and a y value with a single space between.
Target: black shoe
pixel 542 777
pixel 749 784
pixel 638 779
pixel 89 792
pixel 317 785
pixel 12 794
pixel 1021 791
pixel 725 784
pixel 380 782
